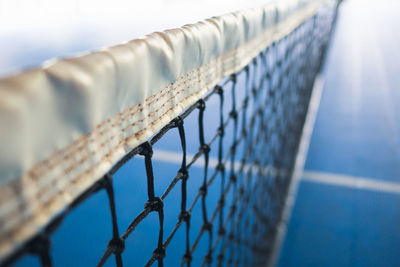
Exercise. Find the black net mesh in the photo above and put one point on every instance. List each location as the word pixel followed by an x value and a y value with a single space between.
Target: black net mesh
pixel 260 114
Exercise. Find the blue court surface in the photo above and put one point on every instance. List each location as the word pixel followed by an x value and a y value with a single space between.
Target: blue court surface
pixel 347 211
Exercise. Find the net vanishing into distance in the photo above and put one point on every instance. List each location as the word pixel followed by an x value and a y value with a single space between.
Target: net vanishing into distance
pixel 260 112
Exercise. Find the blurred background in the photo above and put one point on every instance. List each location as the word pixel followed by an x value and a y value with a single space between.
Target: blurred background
pixel 34 31
pixel 347 209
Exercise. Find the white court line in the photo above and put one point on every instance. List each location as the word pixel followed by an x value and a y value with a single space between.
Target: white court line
pixel 355 182
pixel 298 168
pixel 176 158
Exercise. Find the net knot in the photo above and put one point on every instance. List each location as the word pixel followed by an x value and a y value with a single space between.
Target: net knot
pixel 159 253
pixel 201 104
pixel 221 201
pixel 178 121
pixel 233 78
pixel 233 114
pixel 156 204
pixel 219 90
pixel 208 258
pixel 146 149
pixel 233 178
pixel 220 257
pixel 272 93
pixel 184 216
pixel 233 148
pixel 205 148
pixel 203 190
pixel 104 182
pixel 255 61
pixel 184 173
pixel 187 257
pixel 244 132
pixel 233 209
pixel 221 167
pixel 245 102
pixel 241 191
pixel 254 91
pixel 221 131
pixel 207 227
pixel 116 245
pixel 231 236
pixel 40 245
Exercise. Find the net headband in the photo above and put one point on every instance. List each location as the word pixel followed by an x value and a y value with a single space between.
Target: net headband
pixel 64 125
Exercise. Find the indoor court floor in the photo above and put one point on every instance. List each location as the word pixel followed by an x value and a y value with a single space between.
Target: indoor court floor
pixel 347 210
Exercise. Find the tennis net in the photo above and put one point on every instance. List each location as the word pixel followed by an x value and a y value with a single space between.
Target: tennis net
pixel 245 148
